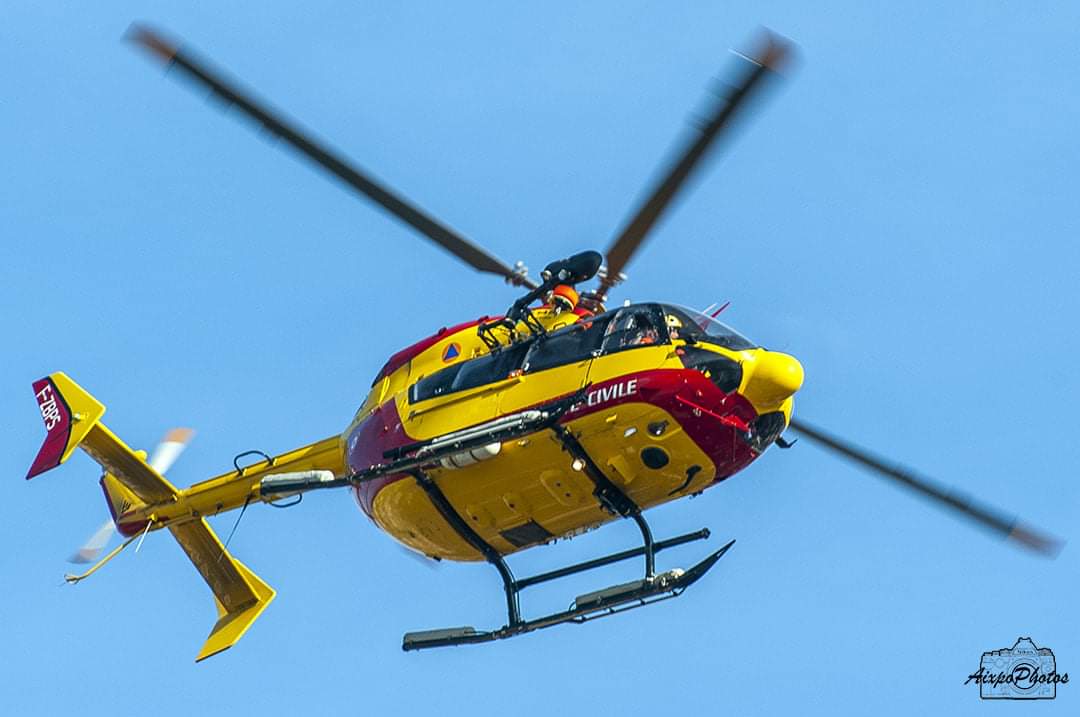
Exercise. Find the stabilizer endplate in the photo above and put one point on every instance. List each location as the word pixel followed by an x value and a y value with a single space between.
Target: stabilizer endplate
pixel 231 626
pixel 239 594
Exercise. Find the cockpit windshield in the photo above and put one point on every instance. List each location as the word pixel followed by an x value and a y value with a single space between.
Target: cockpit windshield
pixel 684 323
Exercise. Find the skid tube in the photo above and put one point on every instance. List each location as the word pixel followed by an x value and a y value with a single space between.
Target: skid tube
pixel 590 606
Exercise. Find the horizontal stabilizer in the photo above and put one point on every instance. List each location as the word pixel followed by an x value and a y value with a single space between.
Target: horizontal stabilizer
pixel 239 594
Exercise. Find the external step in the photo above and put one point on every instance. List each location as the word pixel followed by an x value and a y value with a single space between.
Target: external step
pixel 422 638
pixel 628 591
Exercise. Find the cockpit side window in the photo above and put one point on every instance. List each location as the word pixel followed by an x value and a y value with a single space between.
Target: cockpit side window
pixel 634 327
pixel 693 326
pixel 576 342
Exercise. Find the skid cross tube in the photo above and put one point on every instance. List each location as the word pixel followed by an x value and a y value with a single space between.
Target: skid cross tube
pixel 609 559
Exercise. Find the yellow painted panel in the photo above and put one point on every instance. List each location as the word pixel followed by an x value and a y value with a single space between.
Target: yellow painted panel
pixel 531 478
pixel 605 368
pixel 543 386
pixel 446 414
pixel 404 511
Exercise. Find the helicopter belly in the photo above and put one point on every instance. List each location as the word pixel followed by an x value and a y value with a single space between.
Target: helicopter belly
pixel 654 447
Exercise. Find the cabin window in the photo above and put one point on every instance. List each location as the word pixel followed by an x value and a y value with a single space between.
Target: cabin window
pixel 489 368
pixel 434 385
pixel 635 327
pixel 577 342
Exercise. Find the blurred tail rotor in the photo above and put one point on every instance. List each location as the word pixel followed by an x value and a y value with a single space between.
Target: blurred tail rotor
pixel 92 548
pixel 165 454
pixel 425 560
pixel 169 449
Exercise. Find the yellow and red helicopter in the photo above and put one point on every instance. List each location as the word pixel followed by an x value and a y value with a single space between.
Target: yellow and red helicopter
pixel 501 433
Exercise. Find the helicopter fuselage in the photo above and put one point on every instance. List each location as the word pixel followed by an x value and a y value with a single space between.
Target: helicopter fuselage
pixel 665 407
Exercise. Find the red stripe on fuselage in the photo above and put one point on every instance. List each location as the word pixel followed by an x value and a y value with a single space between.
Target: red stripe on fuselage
pixel 406 354
pixel 375 435
pixel 383 430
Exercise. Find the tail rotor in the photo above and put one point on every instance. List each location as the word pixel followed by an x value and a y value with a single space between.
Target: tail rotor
pixel 163 457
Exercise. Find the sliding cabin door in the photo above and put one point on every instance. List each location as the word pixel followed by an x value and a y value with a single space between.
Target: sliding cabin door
pixel 556 365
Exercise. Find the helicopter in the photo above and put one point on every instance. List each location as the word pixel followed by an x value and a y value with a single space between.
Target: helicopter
pixel 505 432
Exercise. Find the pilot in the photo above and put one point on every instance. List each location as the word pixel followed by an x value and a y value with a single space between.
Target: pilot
pixel 674 324
pixel 646 336
pixel 631 329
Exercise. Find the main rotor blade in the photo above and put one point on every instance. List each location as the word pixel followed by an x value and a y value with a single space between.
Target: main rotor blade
pixel 1008 526
pixel 765 61
pixel 472 254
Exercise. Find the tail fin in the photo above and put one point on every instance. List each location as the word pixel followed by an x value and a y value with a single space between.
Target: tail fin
pixel 73 420
pixel 132 487
pixel 69 414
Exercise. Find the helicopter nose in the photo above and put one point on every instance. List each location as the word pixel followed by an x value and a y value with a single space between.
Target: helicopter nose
pixel 773 378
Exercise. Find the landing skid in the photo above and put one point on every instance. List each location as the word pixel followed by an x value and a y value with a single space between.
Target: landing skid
pixel 415 458
pixel 590 606
pixel 618 598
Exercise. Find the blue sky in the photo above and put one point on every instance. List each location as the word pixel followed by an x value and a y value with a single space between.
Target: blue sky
pixel 901 216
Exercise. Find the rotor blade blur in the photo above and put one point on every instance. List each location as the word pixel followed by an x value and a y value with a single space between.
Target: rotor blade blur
pixel 92 548
pixel 169 449
pixel 429 563
pixel 771 54
pixel 1008 526
pixel 303 142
